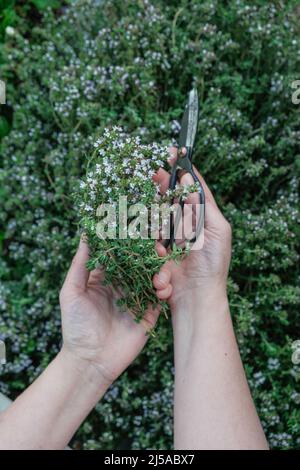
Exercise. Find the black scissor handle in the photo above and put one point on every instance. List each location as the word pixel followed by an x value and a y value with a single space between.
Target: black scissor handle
pixel 173 178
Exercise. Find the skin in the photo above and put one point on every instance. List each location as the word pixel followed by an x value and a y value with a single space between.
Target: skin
pixel 213 406
pixel 106 337
pixel 204 268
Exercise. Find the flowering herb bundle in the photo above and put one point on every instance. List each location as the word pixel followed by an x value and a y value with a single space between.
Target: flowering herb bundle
pixel 122 167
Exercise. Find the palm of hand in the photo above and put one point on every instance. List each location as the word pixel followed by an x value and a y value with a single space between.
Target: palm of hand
pixel 206 266
pixel 197 269
pixel 94 328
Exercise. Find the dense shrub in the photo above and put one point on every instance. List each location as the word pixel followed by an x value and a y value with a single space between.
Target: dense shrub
pixel 23 15
pixel 132 63
pixel 14 12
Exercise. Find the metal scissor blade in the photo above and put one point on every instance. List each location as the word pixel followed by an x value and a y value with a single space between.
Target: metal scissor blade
pixel 189 121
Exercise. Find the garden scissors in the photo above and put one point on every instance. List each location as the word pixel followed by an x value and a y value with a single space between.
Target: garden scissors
pixel 183 164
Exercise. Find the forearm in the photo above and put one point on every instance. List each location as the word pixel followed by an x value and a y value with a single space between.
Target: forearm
pixel 49 412
pixel 213 405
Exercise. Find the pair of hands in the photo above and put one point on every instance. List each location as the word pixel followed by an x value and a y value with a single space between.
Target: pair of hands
pixel 213 407
pixel 95 332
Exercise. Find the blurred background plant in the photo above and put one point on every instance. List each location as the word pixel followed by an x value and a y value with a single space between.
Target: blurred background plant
pixel 95 64
pixel 20 14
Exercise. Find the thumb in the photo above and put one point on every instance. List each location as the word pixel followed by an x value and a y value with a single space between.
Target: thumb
pixel 78 274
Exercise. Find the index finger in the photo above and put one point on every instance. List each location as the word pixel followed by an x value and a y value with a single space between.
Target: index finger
pixel 185 179
pixel 78 274
pixel 208 194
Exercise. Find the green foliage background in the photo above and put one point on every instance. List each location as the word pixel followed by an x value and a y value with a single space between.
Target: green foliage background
pixel 22 14
pixel 131 63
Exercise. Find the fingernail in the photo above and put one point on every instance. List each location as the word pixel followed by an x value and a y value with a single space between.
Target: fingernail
pixel 163 277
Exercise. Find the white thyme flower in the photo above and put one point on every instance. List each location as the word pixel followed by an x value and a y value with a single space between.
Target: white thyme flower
pixel 10 31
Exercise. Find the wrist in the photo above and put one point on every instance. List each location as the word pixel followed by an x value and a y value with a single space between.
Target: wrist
pixel 195 307
pixel 196 302
pixel 85 370
pixel 194 319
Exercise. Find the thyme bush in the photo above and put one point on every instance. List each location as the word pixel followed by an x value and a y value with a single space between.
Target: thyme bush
pixel 21 15
pixel 131 64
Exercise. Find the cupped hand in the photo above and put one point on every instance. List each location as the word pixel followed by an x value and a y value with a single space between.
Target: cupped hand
pixel 204 270
pixel 94 329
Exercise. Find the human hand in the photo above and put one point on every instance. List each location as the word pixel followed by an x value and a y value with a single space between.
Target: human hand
pixel 204 271
pixel 95 331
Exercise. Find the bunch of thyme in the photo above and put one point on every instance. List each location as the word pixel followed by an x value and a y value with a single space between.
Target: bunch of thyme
pixel 121 165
